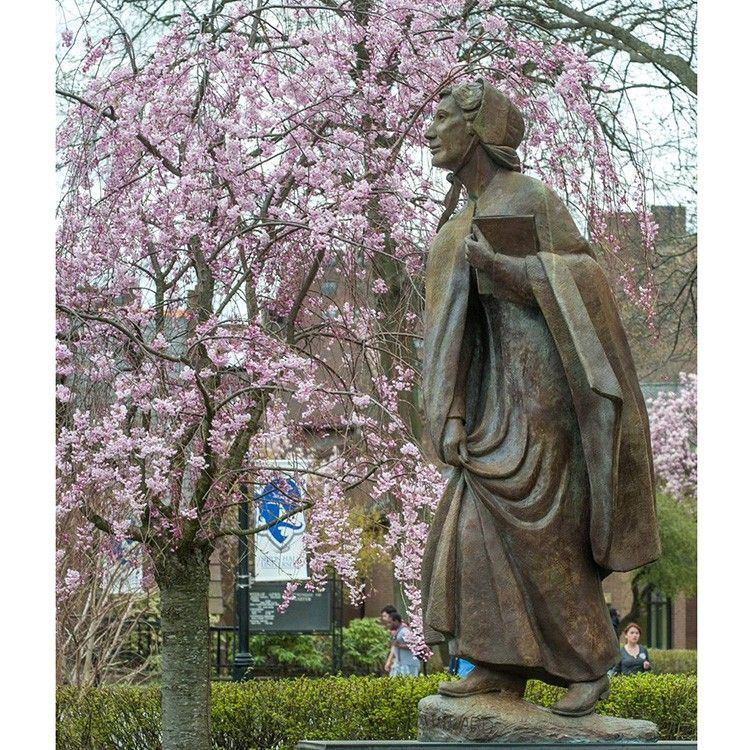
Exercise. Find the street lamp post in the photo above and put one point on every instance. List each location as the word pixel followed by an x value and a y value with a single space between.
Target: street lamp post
pixel 243 659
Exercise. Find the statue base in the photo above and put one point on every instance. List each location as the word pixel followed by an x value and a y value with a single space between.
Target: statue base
pixel 496 718
pixel 413 745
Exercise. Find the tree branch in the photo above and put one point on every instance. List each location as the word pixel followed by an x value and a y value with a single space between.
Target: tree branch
pixel 302 293
pixel 673 63
pixel 257 529
pixel 110 114
pixel 125 36
pixel 117 326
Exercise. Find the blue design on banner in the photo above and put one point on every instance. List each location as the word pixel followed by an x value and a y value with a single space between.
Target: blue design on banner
pixel 275 500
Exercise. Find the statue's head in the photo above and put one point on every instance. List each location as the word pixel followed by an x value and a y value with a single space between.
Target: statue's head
pixel 474 112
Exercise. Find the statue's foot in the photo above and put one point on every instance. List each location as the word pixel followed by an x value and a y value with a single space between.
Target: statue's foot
pixel 581 697
pixel 482 680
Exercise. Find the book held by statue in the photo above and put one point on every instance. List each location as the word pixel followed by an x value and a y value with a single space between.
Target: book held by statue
pixel 510 235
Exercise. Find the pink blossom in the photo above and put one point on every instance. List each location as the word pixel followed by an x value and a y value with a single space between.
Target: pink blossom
pixel 673 420
pixel 287 596
pixel 193 352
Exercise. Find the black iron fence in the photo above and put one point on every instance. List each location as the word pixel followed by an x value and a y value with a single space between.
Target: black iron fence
pixel 140 653
pixel 223 648
pixel 143 646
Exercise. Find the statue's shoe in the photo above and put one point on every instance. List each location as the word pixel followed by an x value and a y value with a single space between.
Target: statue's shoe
pixel 581 697
pixel 482 680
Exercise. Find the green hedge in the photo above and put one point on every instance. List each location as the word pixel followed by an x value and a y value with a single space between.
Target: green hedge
pixel 673 661
pixel 276 714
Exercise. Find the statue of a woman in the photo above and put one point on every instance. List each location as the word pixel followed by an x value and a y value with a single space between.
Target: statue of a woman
pixel 531 394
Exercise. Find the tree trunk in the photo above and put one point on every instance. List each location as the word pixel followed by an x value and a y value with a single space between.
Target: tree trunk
pixel 185 684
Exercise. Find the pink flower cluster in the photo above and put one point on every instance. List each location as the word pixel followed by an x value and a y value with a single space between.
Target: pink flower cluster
pixel 674 429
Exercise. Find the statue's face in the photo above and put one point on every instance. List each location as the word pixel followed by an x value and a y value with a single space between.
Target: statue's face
pixel 448 135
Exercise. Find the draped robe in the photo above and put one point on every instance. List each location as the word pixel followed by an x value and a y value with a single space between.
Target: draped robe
pixel 558 488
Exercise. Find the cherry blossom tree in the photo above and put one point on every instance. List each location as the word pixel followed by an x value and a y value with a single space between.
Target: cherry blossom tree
pixel 673 417
pixel 208 189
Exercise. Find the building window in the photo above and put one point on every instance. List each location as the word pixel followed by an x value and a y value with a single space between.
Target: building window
pixel 658 620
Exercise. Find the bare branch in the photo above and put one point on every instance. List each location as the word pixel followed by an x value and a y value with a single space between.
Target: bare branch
pixel 119 327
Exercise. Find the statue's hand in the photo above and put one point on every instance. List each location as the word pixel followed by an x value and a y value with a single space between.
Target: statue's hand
pixel 479 253
pixel 511 282
pixel 454 442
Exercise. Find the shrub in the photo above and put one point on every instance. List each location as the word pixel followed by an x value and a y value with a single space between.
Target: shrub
pixel 116 718
pixel 365 649
pixel 276 714
pixel 673 661
pixel 311 653
pixel 283 712
pixel 366 644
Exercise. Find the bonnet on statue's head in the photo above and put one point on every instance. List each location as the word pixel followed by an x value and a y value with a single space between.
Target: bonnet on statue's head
pixel 497 124
pixel 491 114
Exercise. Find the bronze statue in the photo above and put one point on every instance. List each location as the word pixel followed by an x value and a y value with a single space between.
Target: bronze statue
pixel 531 394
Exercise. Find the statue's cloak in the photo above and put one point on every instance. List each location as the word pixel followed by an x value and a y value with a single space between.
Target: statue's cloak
pixel 580 314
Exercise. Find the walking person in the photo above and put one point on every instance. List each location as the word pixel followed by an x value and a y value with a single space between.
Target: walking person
pixel 389 625
pixel 403 662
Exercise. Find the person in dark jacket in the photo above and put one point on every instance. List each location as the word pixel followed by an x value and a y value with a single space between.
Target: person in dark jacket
pixel 615 617
pixel 633 656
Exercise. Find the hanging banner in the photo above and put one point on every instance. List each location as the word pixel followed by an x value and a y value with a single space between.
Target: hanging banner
pixel 125 574
pixel 280 553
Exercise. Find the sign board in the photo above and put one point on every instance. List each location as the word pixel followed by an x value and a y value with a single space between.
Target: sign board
pixel 279 550
pixel 308 612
